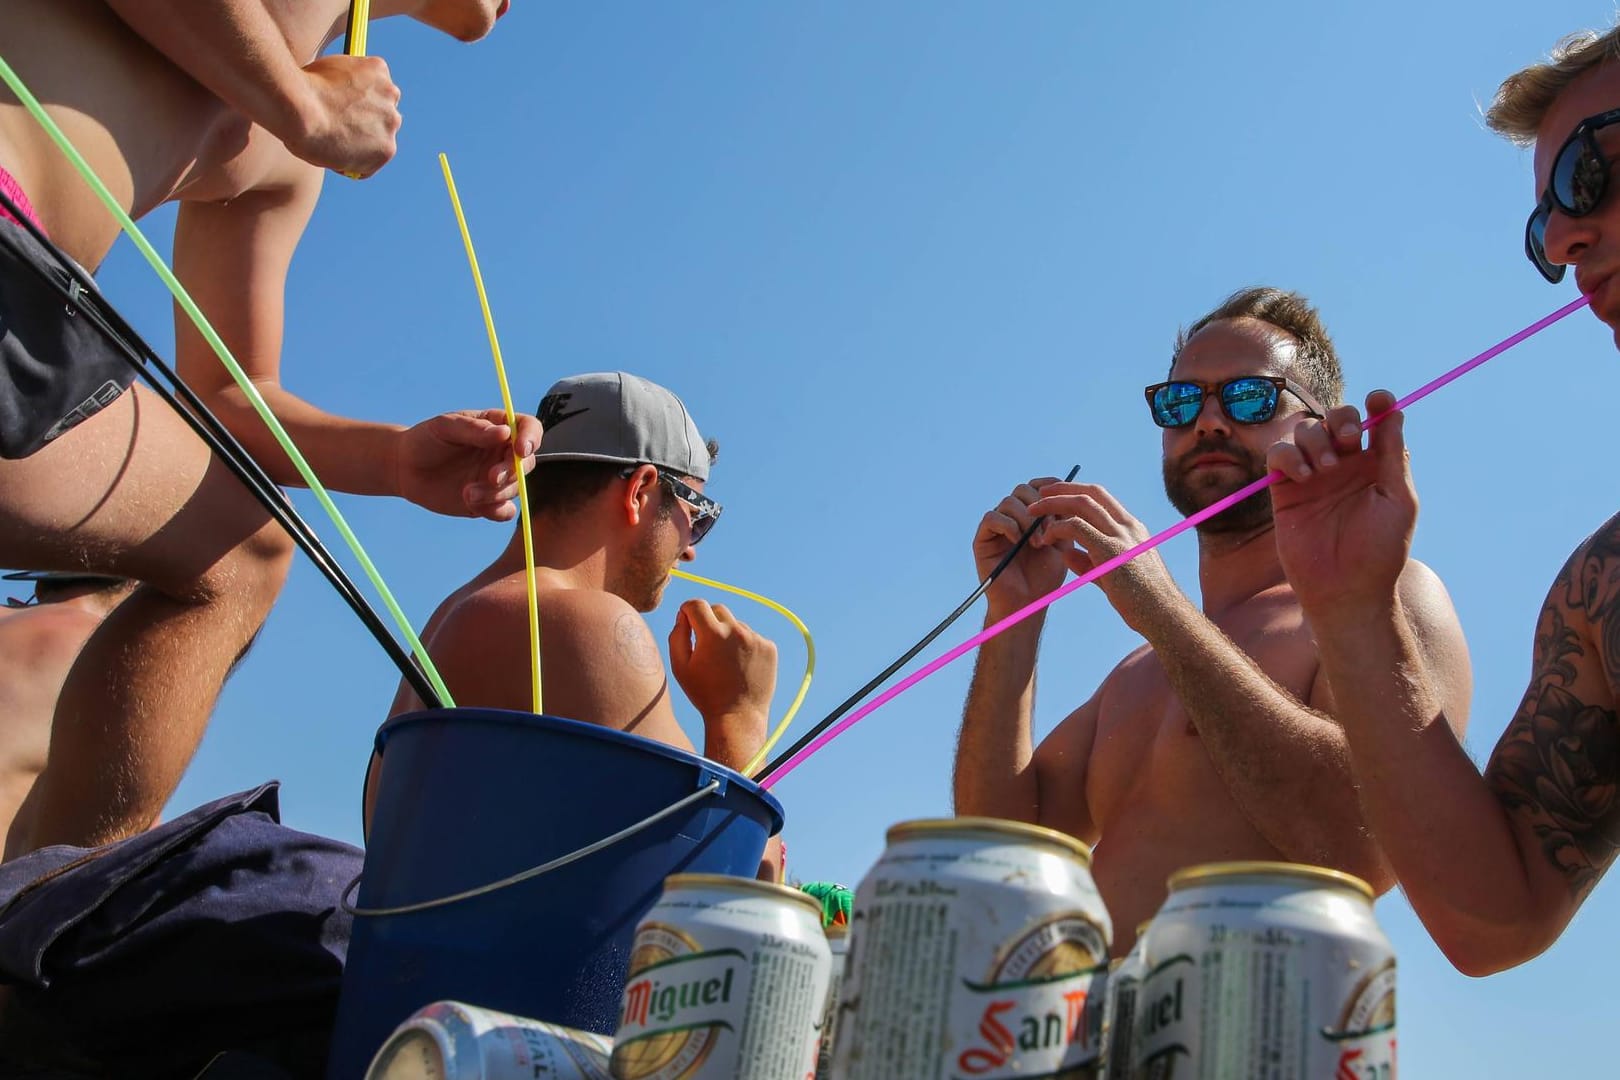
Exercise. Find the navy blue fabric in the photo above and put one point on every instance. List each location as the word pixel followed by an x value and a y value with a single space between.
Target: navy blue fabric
pixel 220 930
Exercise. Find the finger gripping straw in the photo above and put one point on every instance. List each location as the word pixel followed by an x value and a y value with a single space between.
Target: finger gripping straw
pixel 809 662
pixel 927 639
pixel 776 773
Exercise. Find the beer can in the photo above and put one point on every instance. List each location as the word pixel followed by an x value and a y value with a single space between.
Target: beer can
pixel 728 981
pixel 1269 970
pixel 838 944
pixel 451 1041
pixel 979 949
pixel 1119 1008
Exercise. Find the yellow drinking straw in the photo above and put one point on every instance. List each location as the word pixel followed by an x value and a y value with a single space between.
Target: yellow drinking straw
pixel 809 664
pixel 354 42
pixel 511 420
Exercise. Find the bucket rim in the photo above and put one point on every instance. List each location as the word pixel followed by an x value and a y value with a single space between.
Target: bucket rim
pixel 514 718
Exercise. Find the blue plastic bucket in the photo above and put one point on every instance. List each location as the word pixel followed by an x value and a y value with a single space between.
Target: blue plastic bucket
pixel 470 797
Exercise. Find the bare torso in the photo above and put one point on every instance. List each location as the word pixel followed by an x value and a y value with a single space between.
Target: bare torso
pixel 149 130
pixel 1155 797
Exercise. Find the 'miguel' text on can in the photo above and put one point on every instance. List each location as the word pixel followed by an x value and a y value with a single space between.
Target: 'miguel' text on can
pixel 978 950
pixel 1268 970
pixel 728 979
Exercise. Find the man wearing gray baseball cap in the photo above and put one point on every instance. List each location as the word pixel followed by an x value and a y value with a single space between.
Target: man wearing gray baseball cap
pixel 617 500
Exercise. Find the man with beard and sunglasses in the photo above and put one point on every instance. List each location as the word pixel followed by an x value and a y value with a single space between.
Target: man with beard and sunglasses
pixel 1216 740
pixel 616 500
pixel 1496 865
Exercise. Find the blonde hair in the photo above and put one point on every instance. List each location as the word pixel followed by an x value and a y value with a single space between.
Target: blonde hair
pixel 1523 98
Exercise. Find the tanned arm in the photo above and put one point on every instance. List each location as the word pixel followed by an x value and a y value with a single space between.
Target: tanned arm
pixel 1495 866
pixel 338 112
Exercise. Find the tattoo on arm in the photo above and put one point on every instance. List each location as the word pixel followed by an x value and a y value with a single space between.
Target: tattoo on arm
pixel 635 644
pixel 1559 761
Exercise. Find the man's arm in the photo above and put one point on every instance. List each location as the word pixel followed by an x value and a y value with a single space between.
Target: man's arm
pixel 338 112
pixel 1494 866
pixel 234 257
pixel 1285 763
pixel 992 776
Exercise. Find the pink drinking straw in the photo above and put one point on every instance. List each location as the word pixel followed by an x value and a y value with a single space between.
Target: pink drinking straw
pixel 1147 545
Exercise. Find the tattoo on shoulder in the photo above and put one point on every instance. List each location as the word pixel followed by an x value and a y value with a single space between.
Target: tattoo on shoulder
pixel 1559 760
pixel 635 645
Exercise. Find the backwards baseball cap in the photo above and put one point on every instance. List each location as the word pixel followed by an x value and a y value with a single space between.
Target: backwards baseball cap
pixel 615 416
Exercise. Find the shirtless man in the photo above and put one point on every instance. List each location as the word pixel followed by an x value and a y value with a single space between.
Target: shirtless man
pixel 38 643
pixel 1216 740
pixel 1497 865
pixel 95 477
pixel 616 500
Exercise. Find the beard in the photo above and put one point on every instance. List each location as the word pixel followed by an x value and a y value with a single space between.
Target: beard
pixel 1190 493
pixel 646 572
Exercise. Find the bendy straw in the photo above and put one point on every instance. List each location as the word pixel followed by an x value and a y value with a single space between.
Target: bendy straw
pixel 809 663
pixel 511 421
pixel 777 772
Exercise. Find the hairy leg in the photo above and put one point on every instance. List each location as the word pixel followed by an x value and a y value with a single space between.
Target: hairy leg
pixel 133 492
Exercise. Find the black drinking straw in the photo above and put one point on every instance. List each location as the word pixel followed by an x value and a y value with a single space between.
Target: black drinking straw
pixel 883 676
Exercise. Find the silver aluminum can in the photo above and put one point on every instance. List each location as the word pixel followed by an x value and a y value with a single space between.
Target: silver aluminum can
pixel 451 1041
pixel 979 949
pixel 1266 970
pixel 1119 1009
pixel 838 943
pixel 728 981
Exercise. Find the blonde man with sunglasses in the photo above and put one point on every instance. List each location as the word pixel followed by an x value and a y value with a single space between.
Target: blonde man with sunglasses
pixel 1496 865
pixel 1216 740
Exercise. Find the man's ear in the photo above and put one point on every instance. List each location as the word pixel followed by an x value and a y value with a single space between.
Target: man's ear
pixel 639 493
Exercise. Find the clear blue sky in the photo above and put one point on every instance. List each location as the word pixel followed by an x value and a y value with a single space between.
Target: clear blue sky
pixel 900 256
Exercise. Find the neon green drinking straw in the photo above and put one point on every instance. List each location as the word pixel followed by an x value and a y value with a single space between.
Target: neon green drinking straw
pixel 195 314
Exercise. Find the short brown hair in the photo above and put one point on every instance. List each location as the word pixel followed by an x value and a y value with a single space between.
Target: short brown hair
pixel 1523 98
pixel 560 487
pixel 1316 364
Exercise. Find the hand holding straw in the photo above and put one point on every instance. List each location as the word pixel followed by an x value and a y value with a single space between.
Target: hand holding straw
pixel 905 658
pixel 354 39
pixel 511 422
pixel 809 665
pixel 778 770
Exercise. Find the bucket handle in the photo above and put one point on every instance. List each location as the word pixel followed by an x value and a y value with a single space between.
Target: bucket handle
pixel 713 786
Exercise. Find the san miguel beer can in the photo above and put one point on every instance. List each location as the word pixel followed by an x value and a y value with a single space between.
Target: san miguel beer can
pixel 838 943
pixel 728 981
pixel 1266 970
pixel 979 949
pixel 1119 1009
pixel 451 1041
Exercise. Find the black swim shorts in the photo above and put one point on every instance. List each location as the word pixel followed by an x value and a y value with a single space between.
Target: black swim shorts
pixel 60 363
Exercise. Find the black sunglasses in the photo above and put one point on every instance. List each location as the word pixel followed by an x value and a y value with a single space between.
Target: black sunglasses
pixel 705 511
pixel 1579 180
pixel 1247 399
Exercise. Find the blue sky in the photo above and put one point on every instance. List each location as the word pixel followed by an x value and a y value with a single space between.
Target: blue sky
pixel 899 257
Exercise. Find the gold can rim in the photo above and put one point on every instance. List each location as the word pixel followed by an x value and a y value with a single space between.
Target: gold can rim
pixel 1022 830
pixel 742 884
pixel 1215 871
